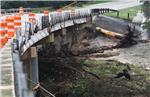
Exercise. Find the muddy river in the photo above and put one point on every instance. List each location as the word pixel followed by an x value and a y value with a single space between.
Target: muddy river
pixel 138 54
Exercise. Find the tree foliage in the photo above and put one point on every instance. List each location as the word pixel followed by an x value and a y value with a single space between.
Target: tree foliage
pixel 33 4
pixel 146 9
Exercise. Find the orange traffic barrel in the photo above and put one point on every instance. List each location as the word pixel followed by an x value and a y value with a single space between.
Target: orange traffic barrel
pixel 10 26
pixel 17 22
pixel 21 11
pixel 3 32
pixel 31 17
pixel 46 13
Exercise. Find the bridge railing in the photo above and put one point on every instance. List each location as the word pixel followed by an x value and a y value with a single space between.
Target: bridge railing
pixel 55 21
pixel 14 10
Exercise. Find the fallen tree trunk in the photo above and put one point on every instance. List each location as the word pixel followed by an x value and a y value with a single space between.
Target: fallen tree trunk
pixel 125 39
pixel 110 33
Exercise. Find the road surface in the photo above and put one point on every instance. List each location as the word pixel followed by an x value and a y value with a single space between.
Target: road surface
pixel 118 4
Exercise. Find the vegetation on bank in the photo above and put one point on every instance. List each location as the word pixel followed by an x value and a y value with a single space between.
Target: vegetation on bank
pixel 127 14
pixel 147 25
pixel 107 86
pixel 146 10
pixel 99 81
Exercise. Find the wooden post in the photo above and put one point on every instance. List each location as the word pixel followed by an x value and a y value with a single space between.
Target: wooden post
pixel 51 38
pixel 64 31
pixel 89 20
pixel 118 14
pixel 128 15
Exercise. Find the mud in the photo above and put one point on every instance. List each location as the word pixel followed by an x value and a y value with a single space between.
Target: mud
pixel 138 54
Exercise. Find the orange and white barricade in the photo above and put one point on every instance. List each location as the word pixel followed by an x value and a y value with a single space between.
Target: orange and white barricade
pixel 21 11
pixel 10 26
pixel 3 32
pixel 46 13
pixel 17 22
pixel 32 18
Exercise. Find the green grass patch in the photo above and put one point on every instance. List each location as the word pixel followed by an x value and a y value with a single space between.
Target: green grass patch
pixel 104 67
pixel 123 14
pixel 106 85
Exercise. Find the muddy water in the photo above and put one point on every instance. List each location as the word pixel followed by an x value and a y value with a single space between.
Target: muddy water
pixel 138 54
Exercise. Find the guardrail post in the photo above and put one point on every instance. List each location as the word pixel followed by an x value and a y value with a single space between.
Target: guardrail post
pixel 51 37
pixel 128 15
pixel 34 66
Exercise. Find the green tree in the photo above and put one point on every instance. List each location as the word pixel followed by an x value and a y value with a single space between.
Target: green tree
pixel 33 4
pixel 146 9
pixel 147 25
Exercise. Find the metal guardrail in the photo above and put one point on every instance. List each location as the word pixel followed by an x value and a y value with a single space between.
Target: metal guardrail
pixel 56 22
pixel 14 10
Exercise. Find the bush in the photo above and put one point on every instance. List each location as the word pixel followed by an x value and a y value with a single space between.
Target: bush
pixel 147 25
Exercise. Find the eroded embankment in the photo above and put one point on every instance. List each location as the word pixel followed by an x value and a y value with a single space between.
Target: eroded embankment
pixel 66 68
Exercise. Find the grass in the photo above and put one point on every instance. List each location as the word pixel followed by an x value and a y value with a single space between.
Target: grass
pixel 106 86
pixel 123 14
pixel 104 67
